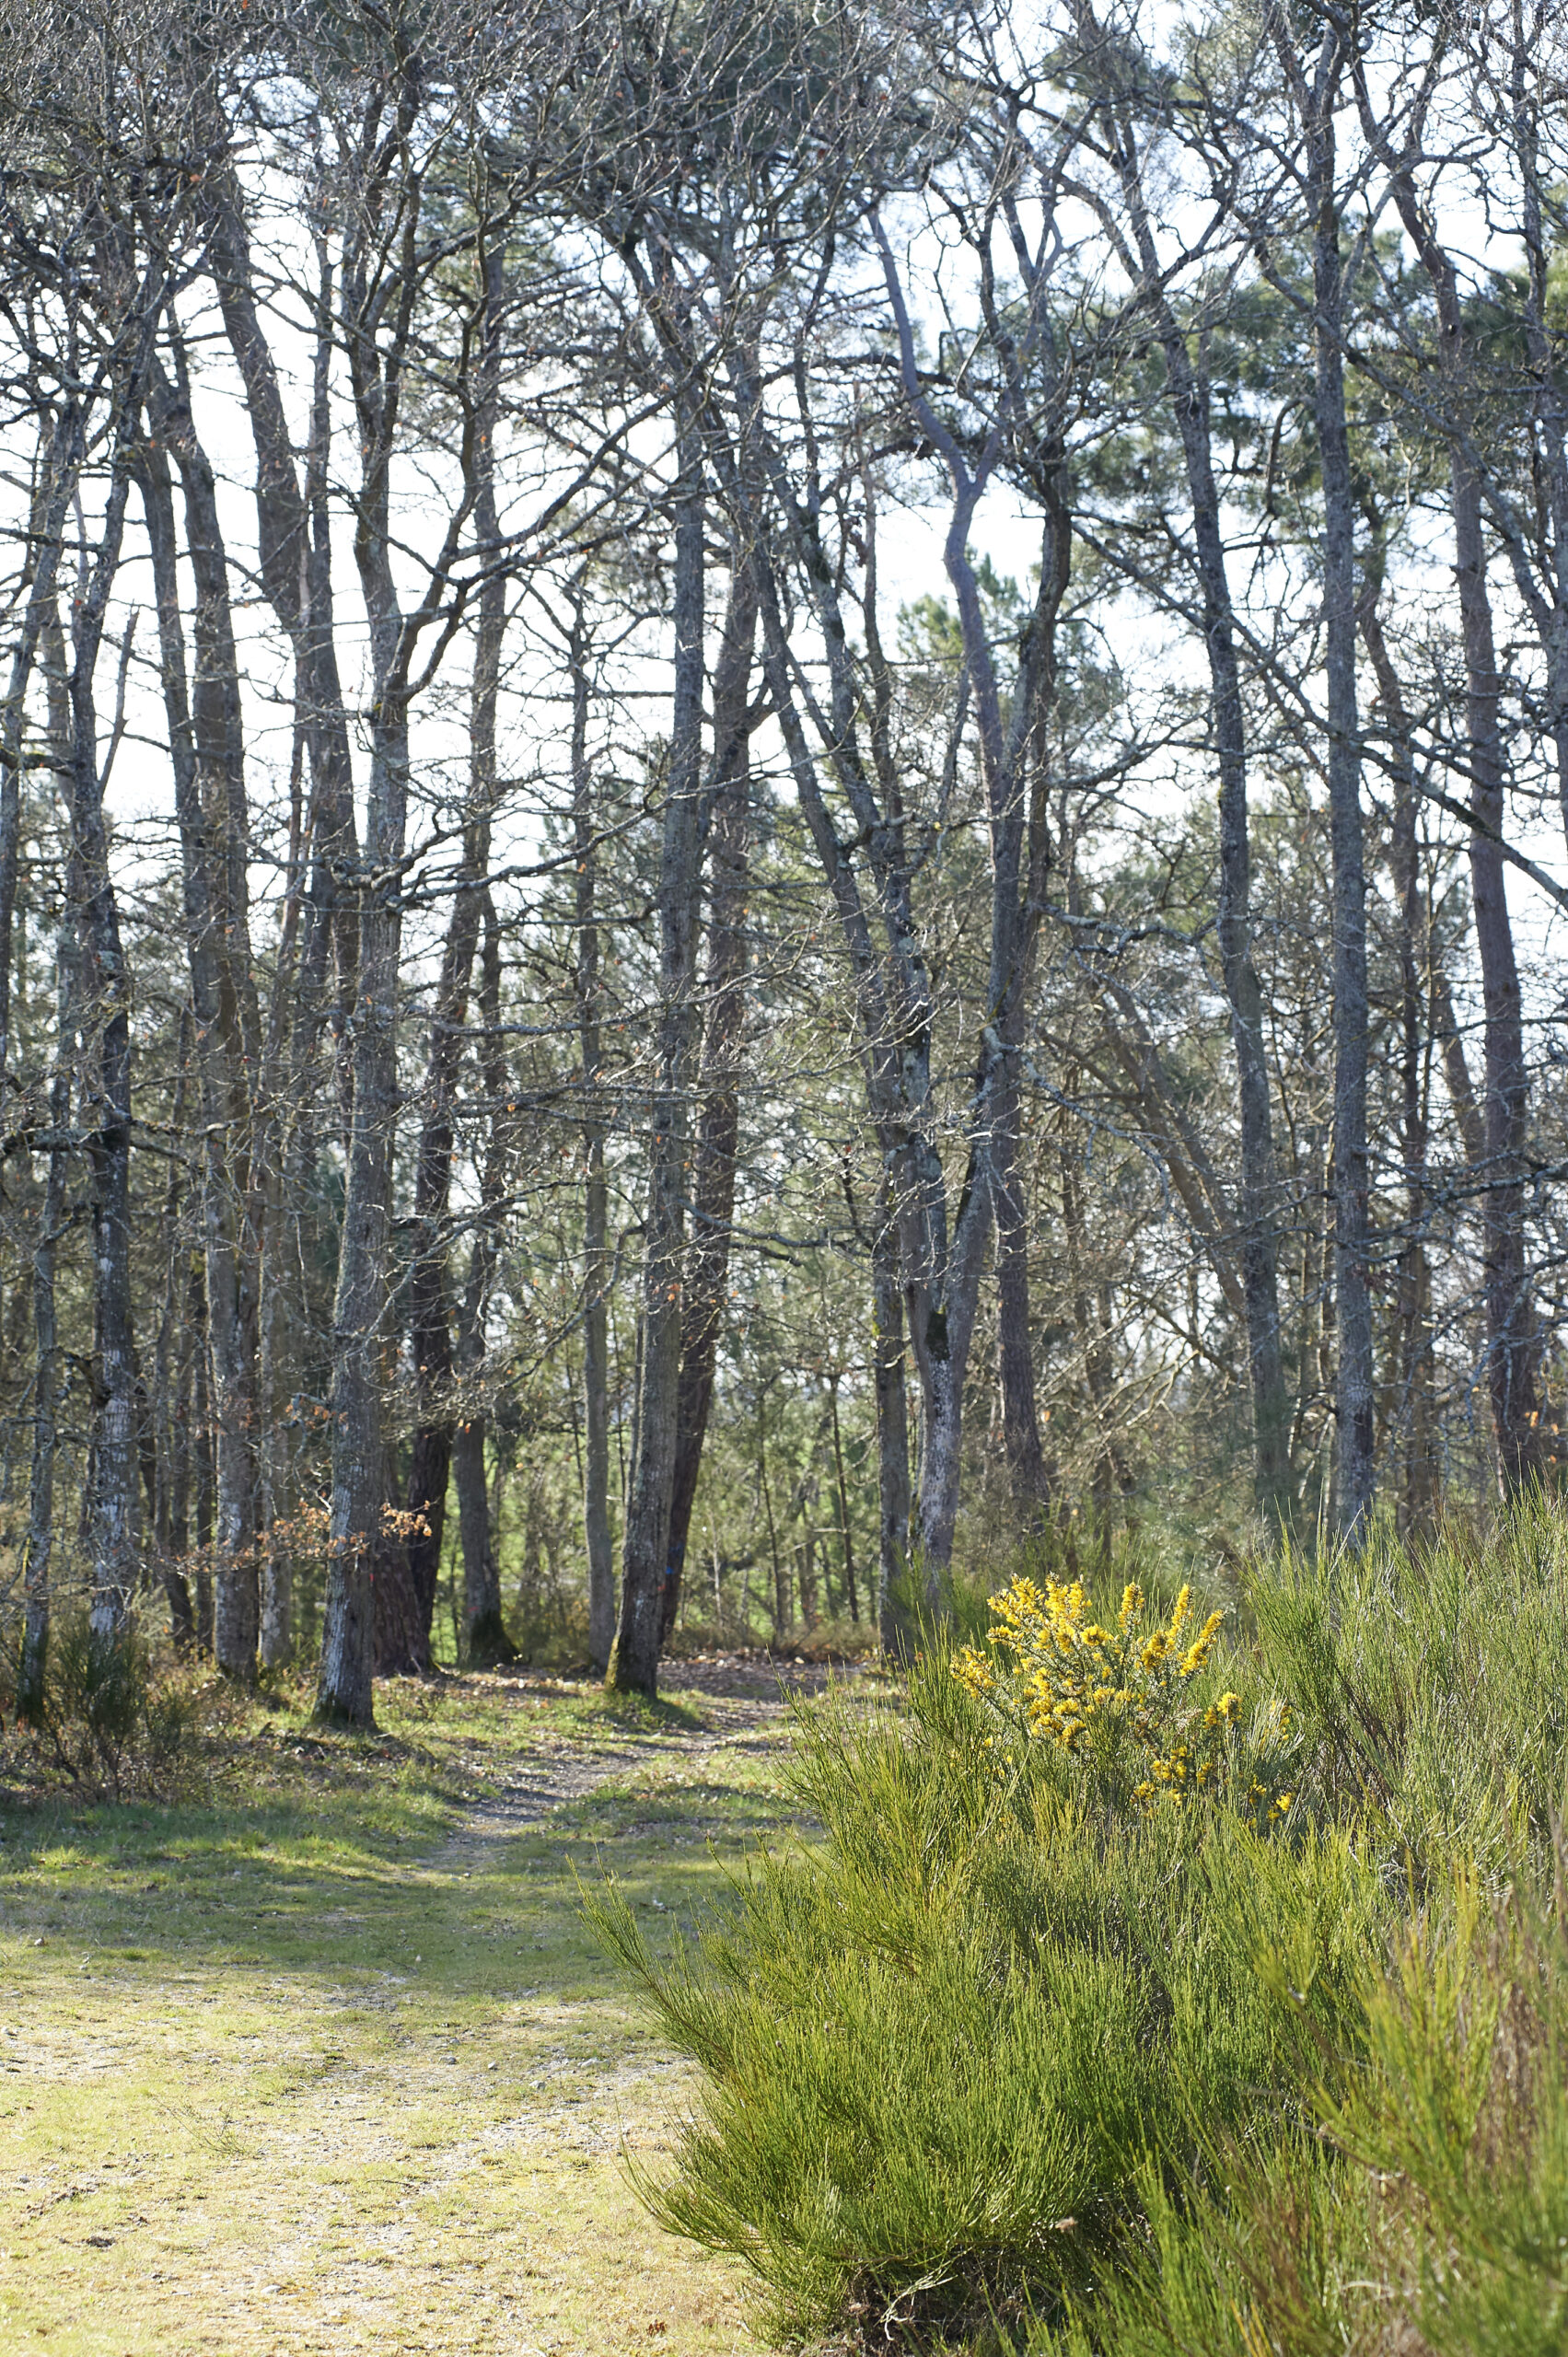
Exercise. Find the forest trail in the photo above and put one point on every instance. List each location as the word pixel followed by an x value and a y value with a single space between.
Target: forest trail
pixel 336 2066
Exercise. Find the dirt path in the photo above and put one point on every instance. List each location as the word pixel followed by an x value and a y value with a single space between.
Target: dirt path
pixel 286 2079
pixel 744 1702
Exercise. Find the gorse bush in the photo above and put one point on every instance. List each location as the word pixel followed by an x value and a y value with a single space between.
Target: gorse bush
pixel 1159 1982
pixel 940 2044
pixel 1122 1696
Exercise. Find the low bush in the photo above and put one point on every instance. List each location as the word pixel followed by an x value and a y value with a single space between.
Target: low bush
pixel 1158 1985
pixel 107 1715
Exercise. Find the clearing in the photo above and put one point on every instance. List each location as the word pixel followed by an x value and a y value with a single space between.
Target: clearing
pixel 326 2061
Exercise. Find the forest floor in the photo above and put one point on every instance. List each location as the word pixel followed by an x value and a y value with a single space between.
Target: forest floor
pixel 324 2059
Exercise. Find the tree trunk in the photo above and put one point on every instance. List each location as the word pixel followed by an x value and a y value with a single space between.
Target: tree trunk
pixel 1513 1342
pixel 485 1641
pixel 1021 1448
pixel 633 1661
pixel 45 1432
pixel 40 618
pixel 843 1488
pixel 1418 1489
pixel 344 1694
pixel 1353 1387
pixel 205 748
pixel 893 1613
pixel 1258 1203
pixel 596 1535
pixel 712 1186
pixel 106 1021
pixel 432 1310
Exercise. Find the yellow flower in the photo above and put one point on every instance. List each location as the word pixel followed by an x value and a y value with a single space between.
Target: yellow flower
pixel 1198 1652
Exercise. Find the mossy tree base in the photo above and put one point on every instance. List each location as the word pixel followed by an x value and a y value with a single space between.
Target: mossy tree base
pixel 489 1646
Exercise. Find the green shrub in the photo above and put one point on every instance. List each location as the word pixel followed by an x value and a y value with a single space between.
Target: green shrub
pixel 1035 2047
pixel 107 1714
pixel 1428 2216
pixel 1429 1681
pixel 943 2046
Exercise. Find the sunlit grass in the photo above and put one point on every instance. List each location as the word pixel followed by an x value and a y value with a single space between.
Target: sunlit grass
pixel 306 2060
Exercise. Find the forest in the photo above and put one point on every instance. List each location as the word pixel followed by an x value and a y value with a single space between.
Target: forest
pixel 776 791
pixel 784 808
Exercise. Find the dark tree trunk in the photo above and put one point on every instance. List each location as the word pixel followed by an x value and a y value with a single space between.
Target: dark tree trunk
pixel 46 1377
pixel 724 990
pixel 205 753
pixel 1418 1490
pixel 596 1535
pixel 894 1616
pixel 1513 1342
pixel 485 1638
pixel 633 1661
pixel 106 1022
pixel 430 1466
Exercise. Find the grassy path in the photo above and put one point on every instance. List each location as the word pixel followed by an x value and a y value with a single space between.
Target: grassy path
pixel 324 2060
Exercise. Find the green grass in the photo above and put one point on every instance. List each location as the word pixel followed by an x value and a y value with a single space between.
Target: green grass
pixel 306 2060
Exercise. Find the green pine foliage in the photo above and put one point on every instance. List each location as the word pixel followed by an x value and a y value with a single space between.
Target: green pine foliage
pixel 1006 2057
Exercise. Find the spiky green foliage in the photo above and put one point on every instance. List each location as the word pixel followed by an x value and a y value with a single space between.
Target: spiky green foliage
pixel 1009 2057
pixel 944 2044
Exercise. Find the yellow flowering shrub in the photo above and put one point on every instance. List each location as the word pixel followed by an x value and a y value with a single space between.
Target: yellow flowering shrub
pixel 1053 1672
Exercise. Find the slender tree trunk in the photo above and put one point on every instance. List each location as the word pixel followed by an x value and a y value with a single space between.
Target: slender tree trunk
pixel 712 1186
pixel 1418 1490
pixel 106 1020
pixel 633 1662
pixel 1014 1339
pixel 344 1694
pixel 1513 1343
pixel 1258 1194
pixel 170 1413
pixel 40 618
pixel 485 1638
pixel 46 1378
pixel 205 754
pixel 894 1617
pixel 1353 1387
pixel 597 1534
pixel 432 1310
pixel 843 1488
pixel 201 1453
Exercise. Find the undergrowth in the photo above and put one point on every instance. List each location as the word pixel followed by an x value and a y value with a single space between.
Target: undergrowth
pixel 1157 1984
pixel 110 1713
